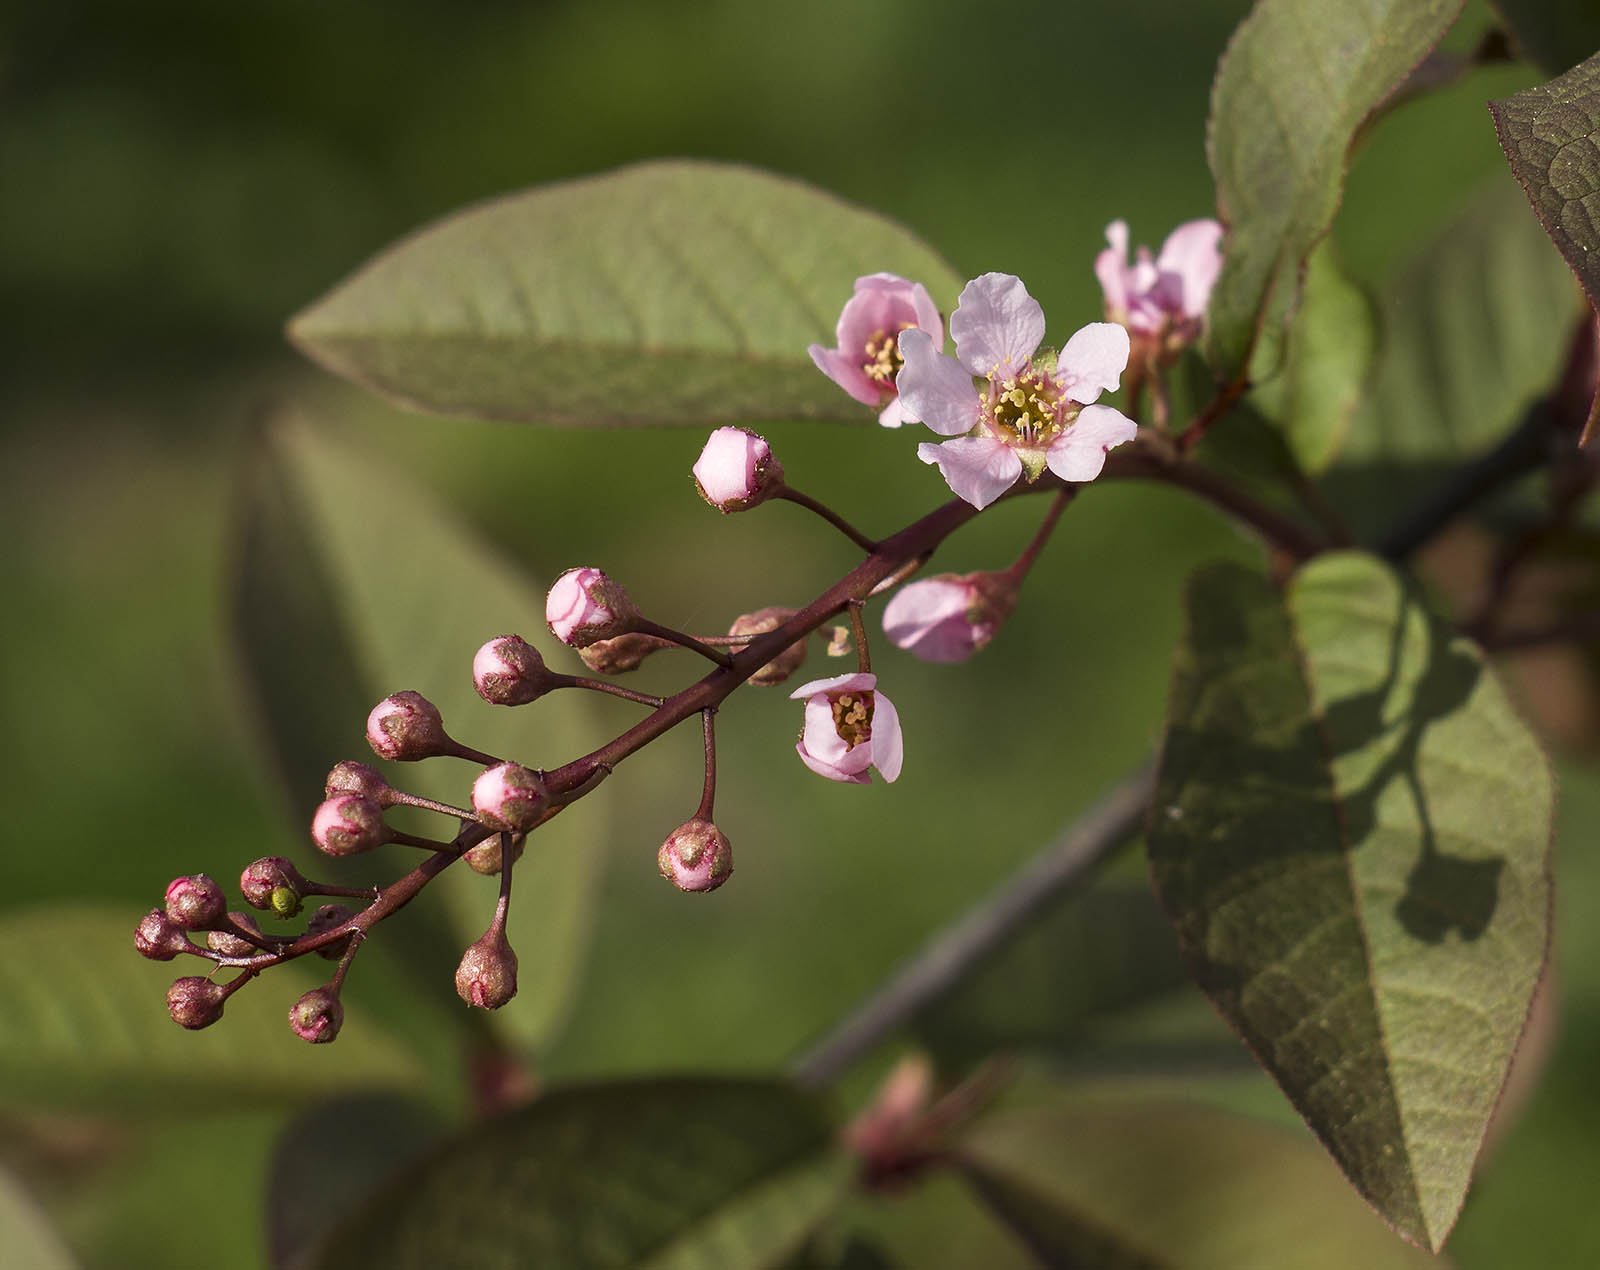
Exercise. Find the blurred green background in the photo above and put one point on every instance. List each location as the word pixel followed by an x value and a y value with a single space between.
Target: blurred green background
pixel 180 177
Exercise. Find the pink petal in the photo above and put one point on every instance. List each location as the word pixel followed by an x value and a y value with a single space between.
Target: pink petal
pixel 887 743
pixel 996 322
pixel 978 469
pixel 728 467
pixel 828 769
pixel 1192 251
pixel 934 388
pixel 855 681
pixel 1111 267
pixel 929 620
pixel 1093 361
pixel 821 740
pixel 894 414
pixel 1079 453
pixel 847 373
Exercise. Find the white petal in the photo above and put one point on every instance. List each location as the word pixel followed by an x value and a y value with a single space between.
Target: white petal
pixel 888 745
pixel 978 469
pixel 996 322
pixel 1093 361
pixel 1079 453
pixel 934 389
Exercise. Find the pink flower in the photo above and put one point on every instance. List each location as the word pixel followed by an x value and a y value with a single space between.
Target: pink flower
pixel 849 727
pixel 868 355
pixel 585 605
pixel 1023 415
pixel 736 470
pixel 1165 297
pixel 949 617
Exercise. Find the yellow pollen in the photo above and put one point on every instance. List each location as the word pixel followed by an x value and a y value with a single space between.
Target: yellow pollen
pixel 1028 408
pixel 883 360
pixel 852 717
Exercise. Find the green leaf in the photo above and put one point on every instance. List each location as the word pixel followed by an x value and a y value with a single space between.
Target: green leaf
pixel 1325 358
pixel 1351 833
pixel 1556 34
pixel 355 560
pixel 1149 1185
pixel 87 1027
pixel 1551 136
pixel 690 1172
pixel 1296 82
pixel 26 1233
pixel 672 292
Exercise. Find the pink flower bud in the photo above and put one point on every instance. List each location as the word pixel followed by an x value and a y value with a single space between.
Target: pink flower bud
pixel 348 824
pixel 406 726
pixel 509 796
pixel 317 1016
pixel 623 653
pixel 695 857
pixel 330 917
pixel 736 470
pixel 230 945
pixel 949 617
pixel 351 777
pixel 262 878
pixel 508 671
pixel 195 903
pixel 160 938
pixel 759 623
pixel 489 855
pixel 487 975
pixel 194 1002
pixel 850 726
pixel 584 606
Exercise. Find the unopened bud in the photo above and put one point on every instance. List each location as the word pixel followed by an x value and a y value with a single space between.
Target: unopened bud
pixel 348 824
pixel 350 777
pixel 231 945
pixel 317 1016
pixel 622 653
pixel 509 796
pixel 487 975
pixel 508 671
pixel 759 623
pixel 949 617
pixel 262 878
pixel 585 605
pixel 488 856
pixel 160 938
pixel 406 726
pixel 195 903
pixel 330 917
pixel 284 901
pixel 695 856
pixel 194 1002
pixel 737 470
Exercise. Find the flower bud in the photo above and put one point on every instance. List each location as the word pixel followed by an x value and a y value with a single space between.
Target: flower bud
pixel 737 470
pixel 488 856
pixel 406 726
pixel 325 919
pixel 317 1016
pixel 194 1002
pixel 695 857
pixel 584 606
pixel 160 938
pixel 509 796
pixel 284 901
pixel 261 878
pixel 759 623
pixel 508 671
pixel 622 653
pixel 348 824
pixel 949 617
pixel 231 945
pixel 194 903
pixel 350 777
pixel 487 975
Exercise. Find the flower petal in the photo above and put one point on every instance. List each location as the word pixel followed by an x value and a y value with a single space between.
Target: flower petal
pixel 1192 253
pixel 828 769
pixel 888 745
pixel 996 322
pixel 855 681
pixel 1093 361
pixel 1079 453
pixel 894 414
pixel 934 389
pixel 978 469
pixel 846 373
pixel 1111 267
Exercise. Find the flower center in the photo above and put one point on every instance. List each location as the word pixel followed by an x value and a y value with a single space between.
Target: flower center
pixel 852 717
pixel 1027 408
pixel 883 361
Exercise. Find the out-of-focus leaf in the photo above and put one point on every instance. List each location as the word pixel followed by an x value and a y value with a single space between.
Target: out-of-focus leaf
pixel 26 1233
pixel 348 560
pixel 1351 833
pixel 670 292
pixel 1296 82
pixel 1140 1185
pixel 678 1173
pixel 1556 34
pixel 1551 136
pixel 1323 364
pixel 87 1027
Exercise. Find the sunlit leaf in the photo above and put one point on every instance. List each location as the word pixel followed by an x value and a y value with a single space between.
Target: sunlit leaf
pixel 1153 1185
pixel 87 1026
pixel 1295 84
pixel 669 292
pixel 682 1173
pixel 1551 136
pixel 1351 833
